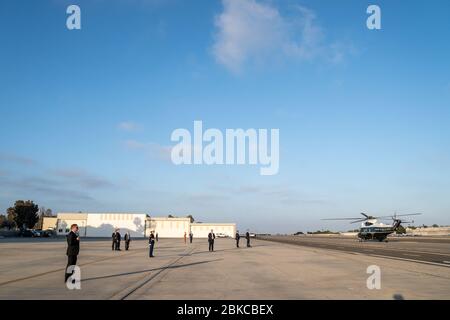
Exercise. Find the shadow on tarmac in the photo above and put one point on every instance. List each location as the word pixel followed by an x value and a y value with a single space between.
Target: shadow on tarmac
pixel 149 270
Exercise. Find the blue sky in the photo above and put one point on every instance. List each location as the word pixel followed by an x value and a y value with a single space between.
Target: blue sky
pixel 86 115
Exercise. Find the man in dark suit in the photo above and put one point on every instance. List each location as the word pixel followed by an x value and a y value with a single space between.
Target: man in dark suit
pixel 247 236
pixel 211 237
pixel 151 244
pixel 119 237
pixel 114 240
pixel 127 239
pixel 191 236
pixel 116 237
pixel 73 248
pixel 237 238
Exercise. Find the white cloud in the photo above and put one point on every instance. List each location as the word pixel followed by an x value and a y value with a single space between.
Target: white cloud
pixel 154 150
pixel 9 157
pixel 129 126
pixel 249 31
pixel 135 145
pixel 82 177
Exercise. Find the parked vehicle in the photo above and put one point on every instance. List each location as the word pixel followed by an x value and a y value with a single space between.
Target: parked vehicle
pixel 37 233
pixel 221 235
pixel 26 233
pixel 48 233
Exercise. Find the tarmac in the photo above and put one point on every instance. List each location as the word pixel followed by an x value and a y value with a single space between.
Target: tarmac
pixel 428 250
pixel 34 269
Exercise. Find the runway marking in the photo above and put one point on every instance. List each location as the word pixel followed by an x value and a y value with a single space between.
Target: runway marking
pixel 369 252
pixel 314 243
pixel 412 255
pixel 62 269
pixel 412 260
pixel 130 290
pixel 446 262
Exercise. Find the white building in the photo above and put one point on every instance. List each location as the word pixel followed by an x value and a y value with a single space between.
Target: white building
pixel 429 231
pixel 169 227
pixel 201 230
pixel 138 224
pixel 102 224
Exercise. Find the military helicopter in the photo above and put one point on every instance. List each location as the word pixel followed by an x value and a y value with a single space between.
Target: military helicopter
pixel 371 229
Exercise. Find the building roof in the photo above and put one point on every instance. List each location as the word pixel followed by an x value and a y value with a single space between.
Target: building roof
pixel 170 219
pixel 213 224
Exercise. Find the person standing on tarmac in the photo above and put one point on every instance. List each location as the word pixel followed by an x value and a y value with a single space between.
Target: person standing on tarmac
pixel 211 237
pixel 127 239
pixel 151 244
pixel 73 248
pixel 118 238
pixel 247 236
pixel 237 238
pixel 114 240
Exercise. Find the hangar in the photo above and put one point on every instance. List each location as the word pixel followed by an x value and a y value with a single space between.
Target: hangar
pixel 93 224
pixel 201 230
pixel 102 224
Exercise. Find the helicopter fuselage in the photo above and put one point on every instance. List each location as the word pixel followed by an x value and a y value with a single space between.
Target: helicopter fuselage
pixel 375 233
pixel 371 230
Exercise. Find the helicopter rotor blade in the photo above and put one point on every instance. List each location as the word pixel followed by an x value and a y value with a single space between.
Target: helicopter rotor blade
pixel 411 214
pixel 360 220
pixel 387 219
pixel 384 217
pixel 394 217
pixel 341 219
pixel 365 215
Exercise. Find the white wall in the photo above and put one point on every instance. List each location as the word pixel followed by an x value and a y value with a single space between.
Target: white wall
pixel 169 227
pixel 430 231
pixel 63 226
pixel 104 224
pixel 201 230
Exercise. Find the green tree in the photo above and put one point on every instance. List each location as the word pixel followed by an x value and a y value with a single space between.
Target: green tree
pixel 26 213
pixel 3 220
pixel 11 214
pixel 11 217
